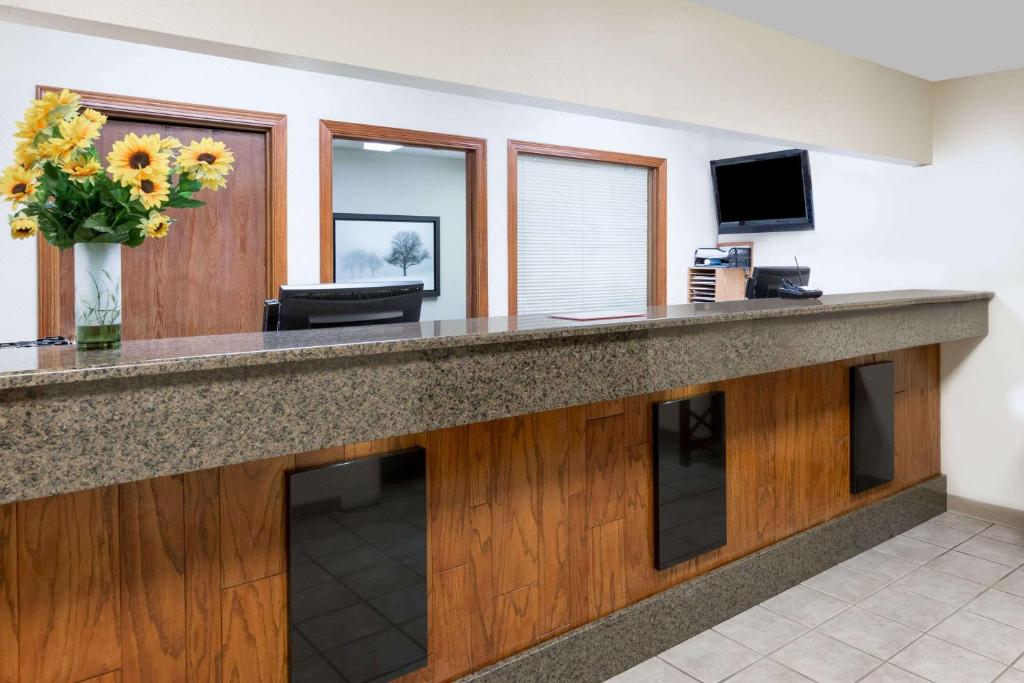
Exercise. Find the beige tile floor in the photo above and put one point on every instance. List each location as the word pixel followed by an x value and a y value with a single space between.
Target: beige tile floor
pixel 943 602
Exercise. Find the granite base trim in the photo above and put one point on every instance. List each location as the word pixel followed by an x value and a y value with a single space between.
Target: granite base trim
pixel 611 645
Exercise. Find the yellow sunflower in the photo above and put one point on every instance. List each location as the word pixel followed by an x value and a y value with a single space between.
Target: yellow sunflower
pixel 135 158
pixel 75 134
pixel 213 182
pixel 157 225
pixel 152 192
pixel 23 227
pixel 18 183
pixel 45 112
pixel 94 116
pixel 58 104
pixel 82 169
pixel 26 154
pixel 32 125
pixel 169 143
pixel 207 161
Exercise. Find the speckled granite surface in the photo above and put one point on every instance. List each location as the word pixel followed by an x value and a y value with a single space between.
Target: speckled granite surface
pixel 608 646
pixel 145 413
pixel 34 367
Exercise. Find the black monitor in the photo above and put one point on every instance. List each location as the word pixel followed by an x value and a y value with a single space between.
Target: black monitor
pixel 303 307
pixel 764 283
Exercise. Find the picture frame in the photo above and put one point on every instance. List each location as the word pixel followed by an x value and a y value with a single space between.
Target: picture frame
pixel 388 247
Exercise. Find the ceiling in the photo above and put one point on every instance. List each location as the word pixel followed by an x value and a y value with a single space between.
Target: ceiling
pixel 931 39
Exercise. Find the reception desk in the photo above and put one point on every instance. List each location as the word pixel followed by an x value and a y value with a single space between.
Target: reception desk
pixel 143 525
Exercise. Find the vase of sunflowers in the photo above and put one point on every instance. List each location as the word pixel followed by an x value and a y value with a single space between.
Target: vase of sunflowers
pixel 59 188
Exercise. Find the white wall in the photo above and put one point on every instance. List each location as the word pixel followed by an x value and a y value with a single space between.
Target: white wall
pixel 654 60
pixel 306 97
pixel 958 224
pixel 866 215
pixel 412 185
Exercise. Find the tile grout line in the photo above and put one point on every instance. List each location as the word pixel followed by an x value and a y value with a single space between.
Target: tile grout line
pixel 980 616
pixel 998 621
pixel 822 633
pixel 920 634
pixel 885 584
pixel 956 609
pixel 665 661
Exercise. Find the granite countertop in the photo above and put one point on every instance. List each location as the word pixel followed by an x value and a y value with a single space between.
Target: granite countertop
pixel 21 367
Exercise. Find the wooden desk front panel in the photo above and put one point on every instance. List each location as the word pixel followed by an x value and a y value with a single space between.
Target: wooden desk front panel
pixel 537 524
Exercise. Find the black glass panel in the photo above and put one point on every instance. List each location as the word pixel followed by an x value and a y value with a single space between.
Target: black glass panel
pixel 689 478
pixel 357 589
pixel 872 426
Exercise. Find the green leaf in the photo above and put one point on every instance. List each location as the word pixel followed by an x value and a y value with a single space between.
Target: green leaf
pixel 135 238
pixel 97 222
pixel 107 239
pixel 181 202
pixel 52 173
pixel 186 184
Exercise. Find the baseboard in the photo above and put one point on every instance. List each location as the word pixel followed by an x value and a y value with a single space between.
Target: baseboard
pixel 987 511
pixel 619 641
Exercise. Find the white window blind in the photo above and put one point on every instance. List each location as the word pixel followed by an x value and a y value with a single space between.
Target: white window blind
pixel 581 238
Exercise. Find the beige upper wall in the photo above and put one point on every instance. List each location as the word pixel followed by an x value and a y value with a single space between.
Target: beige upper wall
pixel 667 61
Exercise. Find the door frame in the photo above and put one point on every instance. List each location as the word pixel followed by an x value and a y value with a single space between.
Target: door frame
pixel 657 215
pixel 55 275
pixel 476 196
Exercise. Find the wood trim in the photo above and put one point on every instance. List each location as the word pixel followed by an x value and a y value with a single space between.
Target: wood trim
pixel 476 196
pixel 657 256
pixel 274 126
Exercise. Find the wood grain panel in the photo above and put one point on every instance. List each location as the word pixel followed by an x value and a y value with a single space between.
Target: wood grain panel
pixel 109 677
pixel 478 447
pixel 608 567
pixel 515 619
pixel 481 606
pixel 202 576
pixel 68 586
pixel 8 594
pixel 252 519
pixel 580 605
pixel 606 459
pixel 514 520
pixel 153 632
pixel 255 632
pixel 551 442
pixel 638 540
pixel 751 461
pixel 450 622
pixel 449 467
pixel 577 436
pixel 537 524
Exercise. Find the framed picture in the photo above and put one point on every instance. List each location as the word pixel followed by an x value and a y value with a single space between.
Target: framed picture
pixel 379 247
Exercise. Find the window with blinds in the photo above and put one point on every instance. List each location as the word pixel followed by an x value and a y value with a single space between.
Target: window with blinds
pixel 581 235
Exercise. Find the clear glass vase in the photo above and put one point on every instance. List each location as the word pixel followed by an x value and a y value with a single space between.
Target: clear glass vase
pixel 98 295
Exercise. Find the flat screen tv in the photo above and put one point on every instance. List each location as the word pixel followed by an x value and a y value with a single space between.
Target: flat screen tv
pixel 764 192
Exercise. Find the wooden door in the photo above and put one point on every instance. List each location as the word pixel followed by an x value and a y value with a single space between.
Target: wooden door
pixel 211 274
